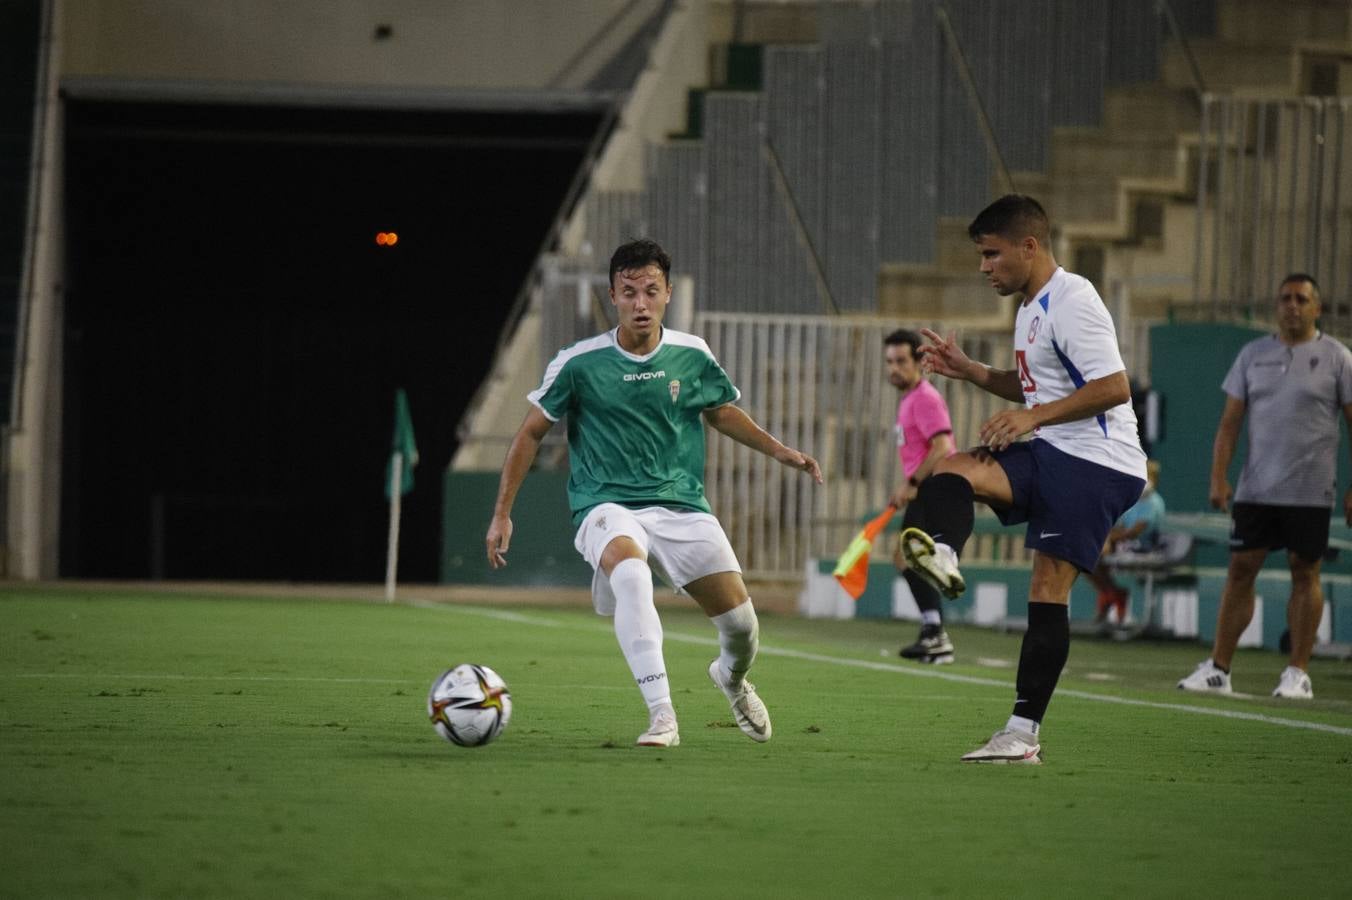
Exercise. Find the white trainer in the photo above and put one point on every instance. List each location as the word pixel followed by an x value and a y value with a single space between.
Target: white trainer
pixel 1207 679
pixel 662 732
pixel 1294 685
pixel 1008 746
pixel 936 563
pixel 747 708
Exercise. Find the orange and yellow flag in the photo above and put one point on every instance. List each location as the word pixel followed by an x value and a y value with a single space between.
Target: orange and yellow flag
pixel 852 567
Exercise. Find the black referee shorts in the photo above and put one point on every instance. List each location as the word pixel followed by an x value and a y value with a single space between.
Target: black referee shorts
pixel 1304 530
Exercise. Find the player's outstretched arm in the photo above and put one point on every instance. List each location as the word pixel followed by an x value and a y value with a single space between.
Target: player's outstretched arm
pixel 520 455
pixel 1223 450
pixel 943 356
pixel 737 425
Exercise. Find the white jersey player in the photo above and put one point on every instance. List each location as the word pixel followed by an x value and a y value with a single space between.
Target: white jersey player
pixel 1063 339
pixel 1082 468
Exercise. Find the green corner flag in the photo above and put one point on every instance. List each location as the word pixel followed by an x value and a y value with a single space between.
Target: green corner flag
pixel 403 447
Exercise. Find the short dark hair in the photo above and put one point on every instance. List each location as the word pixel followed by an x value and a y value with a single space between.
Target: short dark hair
pixel 1013 217
pixel 637 255
pixel 1300 276
pixel 904 336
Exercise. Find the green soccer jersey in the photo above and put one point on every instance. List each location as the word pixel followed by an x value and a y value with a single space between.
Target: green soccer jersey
pixel 635 431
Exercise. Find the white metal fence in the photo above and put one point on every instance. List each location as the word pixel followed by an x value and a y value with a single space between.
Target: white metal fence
pixel 819 384
pixel 1274 196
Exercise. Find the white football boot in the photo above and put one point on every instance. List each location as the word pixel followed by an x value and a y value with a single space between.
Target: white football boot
pixel 662 732
pixel 936 563
pixel 1008 746
pixel 1207 679
pixel 747 709
pixel 1294 685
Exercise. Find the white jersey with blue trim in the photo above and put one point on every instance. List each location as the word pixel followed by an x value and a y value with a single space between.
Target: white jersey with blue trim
pixel 1063 338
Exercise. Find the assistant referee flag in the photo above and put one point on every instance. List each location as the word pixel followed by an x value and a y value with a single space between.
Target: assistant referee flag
pixel 852 567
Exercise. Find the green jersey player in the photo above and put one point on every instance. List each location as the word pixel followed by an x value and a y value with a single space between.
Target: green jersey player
pixel 637 398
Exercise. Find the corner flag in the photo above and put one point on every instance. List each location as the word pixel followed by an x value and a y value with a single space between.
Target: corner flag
pixel 852 568
pixel 398 482
pixel 402 448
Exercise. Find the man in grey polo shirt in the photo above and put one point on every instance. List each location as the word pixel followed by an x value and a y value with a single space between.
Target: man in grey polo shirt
pixel 1292 383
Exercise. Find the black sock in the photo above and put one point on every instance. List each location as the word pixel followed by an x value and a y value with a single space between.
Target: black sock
pixel 926 595
pixel 947 501
pixel 1046 645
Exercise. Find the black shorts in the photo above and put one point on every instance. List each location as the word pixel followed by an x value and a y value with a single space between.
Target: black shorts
pixel 1304 530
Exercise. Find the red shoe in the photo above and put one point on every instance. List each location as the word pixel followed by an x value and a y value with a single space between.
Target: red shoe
pixel 1120 597
pixel 1105 600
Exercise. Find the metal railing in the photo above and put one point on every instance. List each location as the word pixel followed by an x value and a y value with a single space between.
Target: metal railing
pixel 1165 10
pixel 1274 196
pixel 818 383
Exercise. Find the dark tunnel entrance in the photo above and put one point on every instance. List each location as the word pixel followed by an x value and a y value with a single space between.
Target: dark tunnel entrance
pixel 235 334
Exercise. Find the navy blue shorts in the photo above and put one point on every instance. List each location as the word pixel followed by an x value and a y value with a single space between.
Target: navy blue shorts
pixel 1069 503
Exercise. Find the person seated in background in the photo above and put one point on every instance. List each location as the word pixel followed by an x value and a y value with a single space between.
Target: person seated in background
pixel 1138 531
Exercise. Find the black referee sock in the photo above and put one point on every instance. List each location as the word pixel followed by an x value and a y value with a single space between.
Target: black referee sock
pixel 926 595
pixel 1046 645
pixel 947 499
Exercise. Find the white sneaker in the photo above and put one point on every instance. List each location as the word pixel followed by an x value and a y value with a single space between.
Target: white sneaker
pixel 662 732
pixel 1008 746
pixel 1207 679
pixel 747 708
pixel 1294 685
pixel 936 563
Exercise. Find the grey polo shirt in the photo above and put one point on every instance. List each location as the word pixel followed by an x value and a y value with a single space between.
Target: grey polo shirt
pixel 1294 398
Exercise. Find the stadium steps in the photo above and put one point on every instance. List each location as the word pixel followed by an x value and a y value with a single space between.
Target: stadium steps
pixel 1254 21
pixel 1227 65
pixel 1130 186
pixel 1126 191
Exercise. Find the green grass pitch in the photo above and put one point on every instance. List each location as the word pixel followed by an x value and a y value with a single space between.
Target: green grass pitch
pixel 176 746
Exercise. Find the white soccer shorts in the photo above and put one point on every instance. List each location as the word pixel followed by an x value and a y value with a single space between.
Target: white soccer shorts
pixel 680 545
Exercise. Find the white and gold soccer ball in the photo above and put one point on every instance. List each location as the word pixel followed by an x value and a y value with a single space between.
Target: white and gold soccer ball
pixel 469 705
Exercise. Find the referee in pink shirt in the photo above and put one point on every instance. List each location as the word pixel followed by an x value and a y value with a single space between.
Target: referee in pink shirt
pixel 924 436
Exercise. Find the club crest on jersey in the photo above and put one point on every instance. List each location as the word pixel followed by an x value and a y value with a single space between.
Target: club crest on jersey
pixel 675 389
pixel 1033 328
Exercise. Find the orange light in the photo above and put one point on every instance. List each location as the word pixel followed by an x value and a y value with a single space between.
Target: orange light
pixel 387 238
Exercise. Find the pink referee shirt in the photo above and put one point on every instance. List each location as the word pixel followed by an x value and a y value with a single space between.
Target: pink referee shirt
pixel 921 415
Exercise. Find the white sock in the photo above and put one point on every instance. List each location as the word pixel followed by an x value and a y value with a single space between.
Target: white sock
pixel 738 638
pixel 639 631
pixel 1019 723
pixel 931 617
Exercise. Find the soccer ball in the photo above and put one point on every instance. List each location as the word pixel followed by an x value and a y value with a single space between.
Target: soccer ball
pixel 469 705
